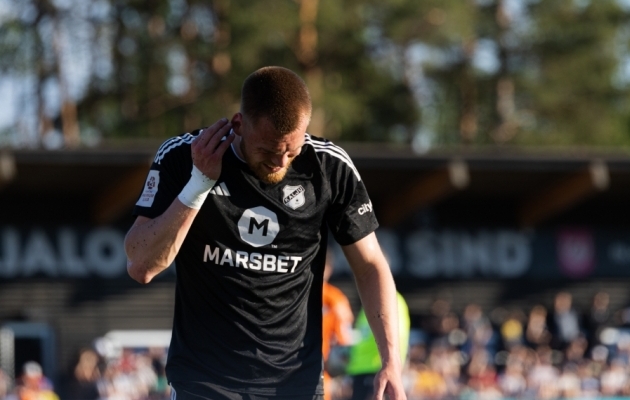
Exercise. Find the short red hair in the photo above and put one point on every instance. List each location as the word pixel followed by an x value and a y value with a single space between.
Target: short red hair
pixel 278 94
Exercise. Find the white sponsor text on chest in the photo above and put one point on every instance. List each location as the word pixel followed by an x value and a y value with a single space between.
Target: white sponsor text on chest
pixel 253 261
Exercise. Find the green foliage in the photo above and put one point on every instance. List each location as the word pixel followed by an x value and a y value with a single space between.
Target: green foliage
pixel 475 72
pixel 574 92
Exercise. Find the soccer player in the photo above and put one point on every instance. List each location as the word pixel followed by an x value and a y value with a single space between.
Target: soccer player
pixel 244 207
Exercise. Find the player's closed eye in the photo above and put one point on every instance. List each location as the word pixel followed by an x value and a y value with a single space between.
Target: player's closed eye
pixel 292 154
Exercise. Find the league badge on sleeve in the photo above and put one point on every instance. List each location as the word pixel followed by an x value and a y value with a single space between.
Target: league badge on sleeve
pixel 293 196
pixel 150 189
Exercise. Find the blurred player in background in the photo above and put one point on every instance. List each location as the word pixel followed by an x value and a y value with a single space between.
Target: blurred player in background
pixel 337 324
pixel 364 361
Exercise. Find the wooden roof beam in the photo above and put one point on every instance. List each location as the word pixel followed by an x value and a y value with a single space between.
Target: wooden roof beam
pixel 425 191
pixel 563 195
pixel 112 202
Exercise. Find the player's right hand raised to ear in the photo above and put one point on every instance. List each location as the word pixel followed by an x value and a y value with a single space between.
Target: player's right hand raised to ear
pixel 207 149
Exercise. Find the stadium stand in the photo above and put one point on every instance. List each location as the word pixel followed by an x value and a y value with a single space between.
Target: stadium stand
pixel 504 231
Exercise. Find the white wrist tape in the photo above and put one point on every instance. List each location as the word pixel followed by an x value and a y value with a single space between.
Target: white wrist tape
pixel 196 190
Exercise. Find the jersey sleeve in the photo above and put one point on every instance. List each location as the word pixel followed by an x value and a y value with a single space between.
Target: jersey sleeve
pixel 351 216
pixel 169 173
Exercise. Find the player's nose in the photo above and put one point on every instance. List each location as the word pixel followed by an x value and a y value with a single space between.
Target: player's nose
pixel 281 160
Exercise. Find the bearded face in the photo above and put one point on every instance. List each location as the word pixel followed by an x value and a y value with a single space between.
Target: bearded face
pixel 268 154
pixel 264 168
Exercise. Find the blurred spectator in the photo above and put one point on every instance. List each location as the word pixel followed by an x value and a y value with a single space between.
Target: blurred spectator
pixel 427 384
pixel 85 376
pixel 599 359
pixel 511 382
pixel 614 379
pixel 543 376
pixel 482 377
pixel 598 317
pixel 569 385
pixel 433 323
pixel 449 331
pixel 589 379
pixel 478 329
pixel 537 333
pixel 416 357
pixel 33 385
pixel 365 361
pixel 576 350
pixel 447 361
pixel 564 321
pixel 512 329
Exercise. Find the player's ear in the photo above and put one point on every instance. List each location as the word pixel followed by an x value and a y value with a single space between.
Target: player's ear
pixel 237 123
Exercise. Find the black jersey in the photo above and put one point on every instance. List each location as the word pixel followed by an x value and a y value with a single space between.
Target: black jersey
pixel 248 306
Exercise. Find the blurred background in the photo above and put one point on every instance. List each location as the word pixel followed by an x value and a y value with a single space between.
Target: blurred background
pixel 492 135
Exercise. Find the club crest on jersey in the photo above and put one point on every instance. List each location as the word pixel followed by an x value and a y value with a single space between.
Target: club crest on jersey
pixel 293 196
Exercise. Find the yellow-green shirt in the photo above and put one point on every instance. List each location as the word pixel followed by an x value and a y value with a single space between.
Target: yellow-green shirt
pixel 364 356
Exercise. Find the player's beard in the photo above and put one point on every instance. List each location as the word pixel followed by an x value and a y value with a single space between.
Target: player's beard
pixel 261 171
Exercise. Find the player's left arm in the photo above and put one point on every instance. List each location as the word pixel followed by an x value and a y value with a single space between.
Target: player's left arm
pixel 378 296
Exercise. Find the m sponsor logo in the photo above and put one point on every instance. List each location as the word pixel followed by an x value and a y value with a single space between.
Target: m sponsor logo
pixel 258 226
pixel 365 208
pixel 293 196
pixel 150 189
pixel 220 190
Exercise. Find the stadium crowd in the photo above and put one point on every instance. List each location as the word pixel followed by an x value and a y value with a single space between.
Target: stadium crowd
pixel 554 353
pixel 539 353
pixel 562 352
